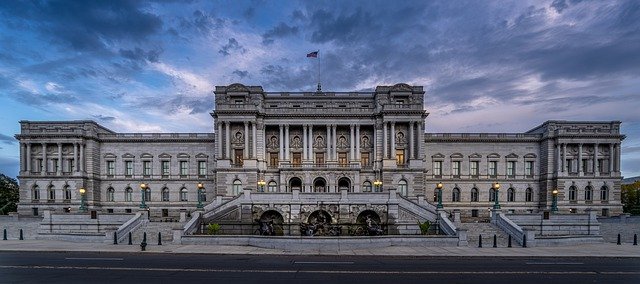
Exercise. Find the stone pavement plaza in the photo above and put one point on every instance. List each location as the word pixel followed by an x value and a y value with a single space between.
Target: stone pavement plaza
pixel 587 250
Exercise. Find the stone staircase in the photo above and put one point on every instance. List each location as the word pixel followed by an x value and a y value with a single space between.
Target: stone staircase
pixel 487 230
pixel 152 229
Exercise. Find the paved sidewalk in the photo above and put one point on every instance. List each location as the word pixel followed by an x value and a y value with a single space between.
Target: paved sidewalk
pixel 587 250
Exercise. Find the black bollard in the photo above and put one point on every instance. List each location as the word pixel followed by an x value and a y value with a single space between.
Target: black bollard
pixel 635 239
pixel 524 241
pixel 159 239
pixel 495 241
pixel 115 237
pixel 480 241
pixel 509 243
pixel 130 243
pixel 21 236
pixel 5 235
pixel 143 245
pixel 619 241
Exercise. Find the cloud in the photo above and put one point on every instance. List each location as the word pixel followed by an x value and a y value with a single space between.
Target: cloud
pixel 138 54
pixel 9 166
pixel 5 139
pixel 241 74
pixel 279 31
pixel 232 45
pixel 105 118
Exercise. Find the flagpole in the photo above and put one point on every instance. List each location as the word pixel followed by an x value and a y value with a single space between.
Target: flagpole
pixel 319 87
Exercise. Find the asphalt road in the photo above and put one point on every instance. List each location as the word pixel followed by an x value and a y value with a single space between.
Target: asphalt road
pixel 46 267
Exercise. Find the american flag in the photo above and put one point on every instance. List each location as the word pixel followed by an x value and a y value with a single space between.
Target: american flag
pixel 313 54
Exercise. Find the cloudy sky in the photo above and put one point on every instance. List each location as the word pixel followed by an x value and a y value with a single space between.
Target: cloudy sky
pixel 487 66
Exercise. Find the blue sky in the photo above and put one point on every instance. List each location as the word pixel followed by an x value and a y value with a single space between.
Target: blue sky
pixel 487 66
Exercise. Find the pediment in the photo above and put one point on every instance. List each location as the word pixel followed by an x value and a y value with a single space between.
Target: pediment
pixel 493 156
pixel 530 155
pixel 164 156
pixel 438 156
pixel 109 156
pixel 146 155
pixel 456 156
pixel 475 156
pixel 128 156
pixel 511 156
pixel 202 156
pixel 183 156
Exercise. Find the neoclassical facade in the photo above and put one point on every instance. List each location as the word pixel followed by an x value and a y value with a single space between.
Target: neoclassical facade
pixel 319 142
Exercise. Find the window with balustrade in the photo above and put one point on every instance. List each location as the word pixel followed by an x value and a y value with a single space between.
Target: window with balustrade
pixel 455 195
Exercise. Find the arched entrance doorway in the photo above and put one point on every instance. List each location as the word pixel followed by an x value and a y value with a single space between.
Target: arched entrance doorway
pixel 369 224
pixel 295 183
pixel 344 183
pixel 270 223
pixel 319 185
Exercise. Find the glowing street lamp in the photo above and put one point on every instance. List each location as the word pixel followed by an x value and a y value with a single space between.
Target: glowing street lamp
pixel 143 191
pixel 261 184
pixel 439 188
pixel 377 183
pixel 554 203
pixel 200 187
pixel 83 200
pixel 496 187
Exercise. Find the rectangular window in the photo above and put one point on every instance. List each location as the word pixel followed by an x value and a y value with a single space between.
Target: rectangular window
pixel 202 168
pixel 455 168
pixel 297 159
pixel 111 168
pixel 528 168
pixel 54 165
pixel 585 166
pixel 128 168
pixel 364 159
pixel 39 165
pixel 184 168
pixel 320 158
pixel 342 159
pixel 146 166
pixel 239 154
pixel 569 164
pixel 473 168
pixel 399 156
pixel 493 168
pixel 474 212
pixel 273 160
pixel 165 168
pixel 511 168
pixel 437 168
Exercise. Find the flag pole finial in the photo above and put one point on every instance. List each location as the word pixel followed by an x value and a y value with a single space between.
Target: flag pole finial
pixel 319 88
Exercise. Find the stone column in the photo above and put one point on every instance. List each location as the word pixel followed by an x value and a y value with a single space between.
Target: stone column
pixel 246 141
pixel 358 142
pixel 351 143
pixel 617 150
pixel 310 151
pixel 254 136
pixel 564 156
pixel 410 154
pixel 558 158
pixel 286 142
pixel 596 170
pixel 611 158
pixel 305 143
pixel 374 142
pixel 281 144
pixel 43 170
pixel 328 142
pixel 334 136
pixel 76 162
pixel 59 171
pixel 28 157
pixel 227 141
pixel 384 140
pixel 393 141
pixel 580 159
pixel 81 157
pixel 219 140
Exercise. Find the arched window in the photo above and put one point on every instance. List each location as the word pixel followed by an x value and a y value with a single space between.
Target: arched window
pixel 529 194
pixel 165 194
pixel 588 193
pixel 183 194
pixel 67 193
pixel 366 186
pixel 237 187
pixel 110 194
pixel 147 194
pixel 36 192
pixel 402 187
pixel 511 194
pixel 492 194
pixel 128 194
pixel 272 186
pixel 455 195
pixel 474 195
pixel 604 193
pixel 572 193
pixel 51 193
pixel 203 195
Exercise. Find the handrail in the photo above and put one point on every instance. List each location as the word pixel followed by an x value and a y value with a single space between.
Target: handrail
pixel 510 228
pixel 123 231
pixel 446 225
pixel 191 226
pixel 426 212
pixel 221 207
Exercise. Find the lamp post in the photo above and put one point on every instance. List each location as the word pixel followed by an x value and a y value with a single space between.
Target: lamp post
pixel 143 192
pixel 83 200
pixel 554 202
pixel 200 187
pixel 377 183
pixel 261 184
pixel 439 188
pixel 496 187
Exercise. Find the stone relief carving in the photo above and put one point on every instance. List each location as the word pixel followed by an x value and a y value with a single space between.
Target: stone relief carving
pixel 296 143
pixel 342 142
pixel 273 144
pixel 319 142
pixel 400 139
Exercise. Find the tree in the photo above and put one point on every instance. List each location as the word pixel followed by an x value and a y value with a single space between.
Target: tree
pixel 630 196
pixel 9 195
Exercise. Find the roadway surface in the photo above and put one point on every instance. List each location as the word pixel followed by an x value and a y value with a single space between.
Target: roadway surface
pixel 101 267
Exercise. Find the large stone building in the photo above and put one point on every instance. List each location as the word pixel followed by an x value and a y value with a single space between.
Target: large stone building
pixel 323 142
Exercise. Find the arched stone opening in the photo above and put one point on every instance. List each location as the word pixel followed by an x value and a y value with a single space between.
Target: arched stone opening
pixel 319 224
pixel 295 183
pixel 320 185
pixel 344 183
pixel 369 224
pixel 270 223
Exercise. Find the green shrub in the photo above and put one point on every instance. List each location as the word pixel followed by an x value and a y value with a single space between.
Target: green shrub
pixel 424 227
pixel 213 229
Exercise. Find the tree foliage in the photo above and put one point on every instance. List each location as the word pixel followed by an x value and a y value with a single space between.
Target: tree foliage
pixel 630 196
pixel 9 195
